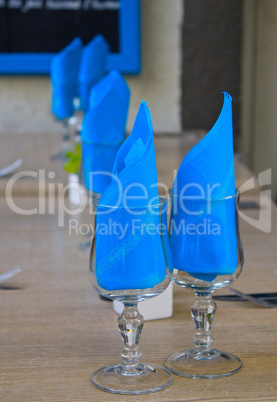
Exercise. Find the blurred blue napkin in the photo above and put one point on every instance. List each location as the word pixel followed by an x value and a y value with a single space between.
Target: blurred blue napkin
pixel 103 130
pixel 93 66
pixel 133 259
pixel 207 247
pixel 64 73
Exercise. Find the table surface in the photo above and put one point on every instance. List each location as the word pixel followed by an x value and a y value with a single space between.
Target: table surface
pixel 55 330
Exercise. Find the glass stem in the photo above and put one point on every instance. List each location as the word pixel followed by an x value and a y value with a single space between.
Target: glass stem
pixel 130 324
pixel 65 132
pixel 203 309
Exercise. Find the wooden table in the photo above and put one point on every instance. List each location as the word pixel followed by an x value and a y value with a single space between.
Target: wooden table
pixel 55 330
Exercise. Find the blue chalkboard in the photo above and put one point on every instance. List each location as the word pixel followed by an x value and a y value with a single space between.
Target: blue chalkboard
pixel 33 31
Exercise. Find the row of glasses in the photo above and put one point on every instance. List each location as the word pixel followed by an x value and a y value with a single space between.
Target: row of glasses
pixel 75 70
pixel 203 361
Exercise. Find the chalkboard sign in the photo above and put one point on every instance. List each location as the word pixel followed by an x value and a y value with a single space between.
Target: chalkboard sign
pixel 33 31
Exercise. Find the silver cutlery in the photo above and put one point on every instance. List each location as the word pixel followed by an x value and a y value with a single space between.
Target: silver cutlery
pixel 9 169
pixel 10 274
pixel 262 299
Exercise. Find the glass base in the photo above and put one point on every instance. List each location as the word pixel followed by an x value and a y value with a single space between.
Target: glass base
pixel 60 156
pixel 208 364
pixel 143 379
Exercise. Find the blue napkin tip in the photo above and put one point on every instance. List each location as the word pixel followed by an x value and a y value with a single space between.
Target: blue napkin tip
pixel 227 96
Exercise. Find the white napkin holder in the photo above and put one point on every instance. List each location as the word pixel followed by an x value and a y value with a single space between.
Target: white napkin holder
pixel 74 190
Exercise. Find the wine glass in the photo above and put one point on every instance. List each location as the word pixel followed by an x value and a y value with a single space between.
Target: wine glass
pixel 130 267
pixel 207 255
pixel 67 128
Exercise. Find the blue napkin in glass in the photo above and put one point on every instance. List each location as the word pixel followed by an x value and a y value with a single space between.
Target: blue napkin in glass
pixel 103 130
pixel 93 66
pixel 64 77
pixel 202 235
pixel 133 259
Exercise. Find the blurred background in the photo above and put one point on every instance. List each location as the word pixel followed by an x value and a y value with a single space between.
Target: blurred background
pixel 191 51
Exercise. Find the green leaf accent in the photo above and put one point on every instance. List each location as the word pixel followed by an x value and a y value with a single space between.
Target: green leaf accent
pixel 73 164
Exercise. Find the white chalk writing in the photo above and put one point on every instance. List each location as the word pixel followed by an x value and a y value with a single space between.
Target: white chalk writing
pixel 61 4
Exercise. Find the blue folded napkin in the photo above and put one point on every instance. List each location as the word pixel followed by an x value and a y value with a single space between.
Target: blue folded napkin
pixel 131 256
pixel 93 66
pixel 103 130
pixel 64 77
pixel 203 232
